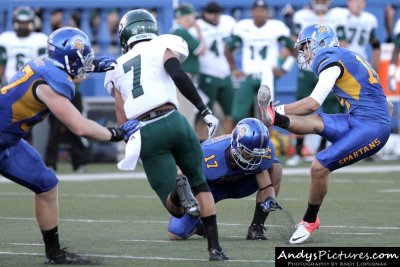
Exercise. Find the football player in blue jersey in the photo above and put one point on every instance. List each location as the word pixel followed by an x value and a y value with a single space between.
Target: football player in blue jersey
pixel 236 166
pixel 41 86
pixel 358 134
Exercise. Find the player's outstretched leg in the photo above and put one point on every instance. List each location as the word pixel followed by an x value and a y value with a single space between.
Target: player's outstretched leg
pixel 188 201
pixel 265 105
pixel 62 256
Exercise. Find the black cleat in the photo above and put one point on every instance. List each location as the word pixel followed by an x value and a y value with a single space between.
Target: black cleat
pixel 186 196
pixel 256 232
pixel 65 257
pixel 216 255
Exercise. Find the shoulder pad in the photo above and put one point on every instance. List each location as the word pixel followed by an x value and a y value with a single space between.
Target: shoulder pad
pixel 176 44
pixel 59 81
pixel 324 58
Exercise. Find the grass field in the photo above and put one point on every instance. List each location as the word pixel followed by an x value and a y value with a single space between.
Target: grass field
pixel 120 222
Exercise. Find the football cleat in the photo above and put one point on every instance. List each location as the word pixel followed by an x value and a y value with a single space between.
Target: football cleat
pixel 265 105
pixel 256 232
pixel 295 160
pixel 65 257
pixel 216 255
pixel 303 231
pixel 270 204
pixel 188 201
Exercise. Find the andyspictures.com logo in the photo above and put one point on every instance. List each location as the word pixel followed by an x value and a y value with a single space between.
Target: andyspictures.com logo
pixel 337 256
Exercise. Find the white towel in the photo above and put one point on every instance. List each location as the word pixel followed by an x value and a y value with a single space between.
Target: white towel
pixel 132 153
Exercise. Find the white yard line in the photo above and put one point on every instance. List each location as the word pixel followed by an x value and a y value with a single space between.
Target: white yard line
pixel 4 218
pixel 136 257
pixel 286 171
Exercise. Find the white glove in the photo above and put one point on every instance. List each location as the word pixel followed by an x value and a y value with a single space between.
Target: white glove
pixel 392 76
pixel 211 121
pixel 392 83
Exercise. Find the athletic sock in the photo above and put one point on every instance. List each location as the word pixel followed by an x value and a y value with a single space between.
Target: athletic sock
pixel 51 241
pixel 311 213
pixel 211 230
pixel 281 120
pixel 259 215
pixel 174 197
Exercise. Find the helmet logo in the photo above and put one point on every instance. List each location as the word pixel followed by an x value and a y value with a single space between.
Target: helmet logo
pixel 322 29
pixel 243 129
pixel 77 43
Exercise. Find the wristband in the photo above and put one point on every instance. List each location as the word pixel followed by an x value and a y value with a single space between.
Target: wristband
pixel 205 112
pixel 280 109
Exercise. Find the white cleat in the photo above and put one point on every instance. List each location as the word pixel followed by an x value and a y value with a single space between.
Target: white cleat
pixel 303 231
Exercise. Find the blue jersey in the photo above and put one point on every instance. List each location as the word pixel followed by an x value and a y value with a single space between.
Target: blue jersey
pixel 215 160
pixel 20 107
pixel 358 88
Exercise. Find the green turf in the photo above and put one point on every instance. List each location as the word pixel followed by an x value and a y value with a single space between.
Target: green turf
pixel 123 223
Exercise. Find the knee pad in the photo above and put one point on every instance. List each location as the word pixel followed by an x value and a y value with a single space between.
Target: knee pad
pixel 203 187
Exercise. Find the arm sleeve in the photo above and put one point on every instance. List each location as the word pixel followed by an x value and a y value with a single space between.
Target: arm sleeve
pixel 184 83
pixel 326 81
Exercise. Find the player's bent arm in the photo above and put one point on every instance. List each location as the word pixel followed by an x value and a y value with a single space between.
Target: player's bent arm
pixel 119 107
pixel 182 81
pixel 65 111
pixel 275 172
pixel 265 187
pixel 308 105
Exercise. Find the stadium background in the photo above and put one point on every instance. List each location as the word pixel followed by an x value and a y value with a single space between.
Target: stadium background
pixel 99 106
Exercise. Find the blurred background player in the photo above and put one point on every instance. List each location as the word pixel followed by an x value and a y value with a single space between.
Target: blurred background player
pixel 394 71
pixel 41 86
pixel 360 30
pixel 236 166
pixel 19 46
pixel 260 39
pixel 306 80
pixel 144 85
pixel 215 80
pixel 185 19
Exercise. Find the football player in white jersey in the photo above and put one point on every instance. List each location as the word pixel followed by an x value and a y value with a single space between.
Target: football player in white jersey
pixel 360 27
pixel 144 86
pixel 215 75
pixel 260 39
pixel 306 80
pixel 394 72
pixel 20 45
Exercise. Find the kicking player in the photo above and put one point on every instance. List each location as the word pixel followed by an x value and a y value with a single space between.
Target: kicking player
pixel 236 166
pixel 358 134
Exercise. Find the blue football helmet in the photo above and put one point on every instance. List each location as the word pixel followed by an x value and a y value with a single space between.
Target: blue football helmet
pixel 70 49
pixel 249 143
pixel 314 38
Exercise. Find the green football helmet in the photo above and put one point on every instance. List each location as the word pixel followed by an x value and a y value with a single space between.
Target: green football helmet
pixel 136 25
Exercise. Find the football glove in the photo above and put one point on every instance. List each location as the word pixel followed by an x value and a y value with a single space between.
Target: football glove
pixel 130 127
pixel 211 121
pixel 103 63
pixel 270 204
